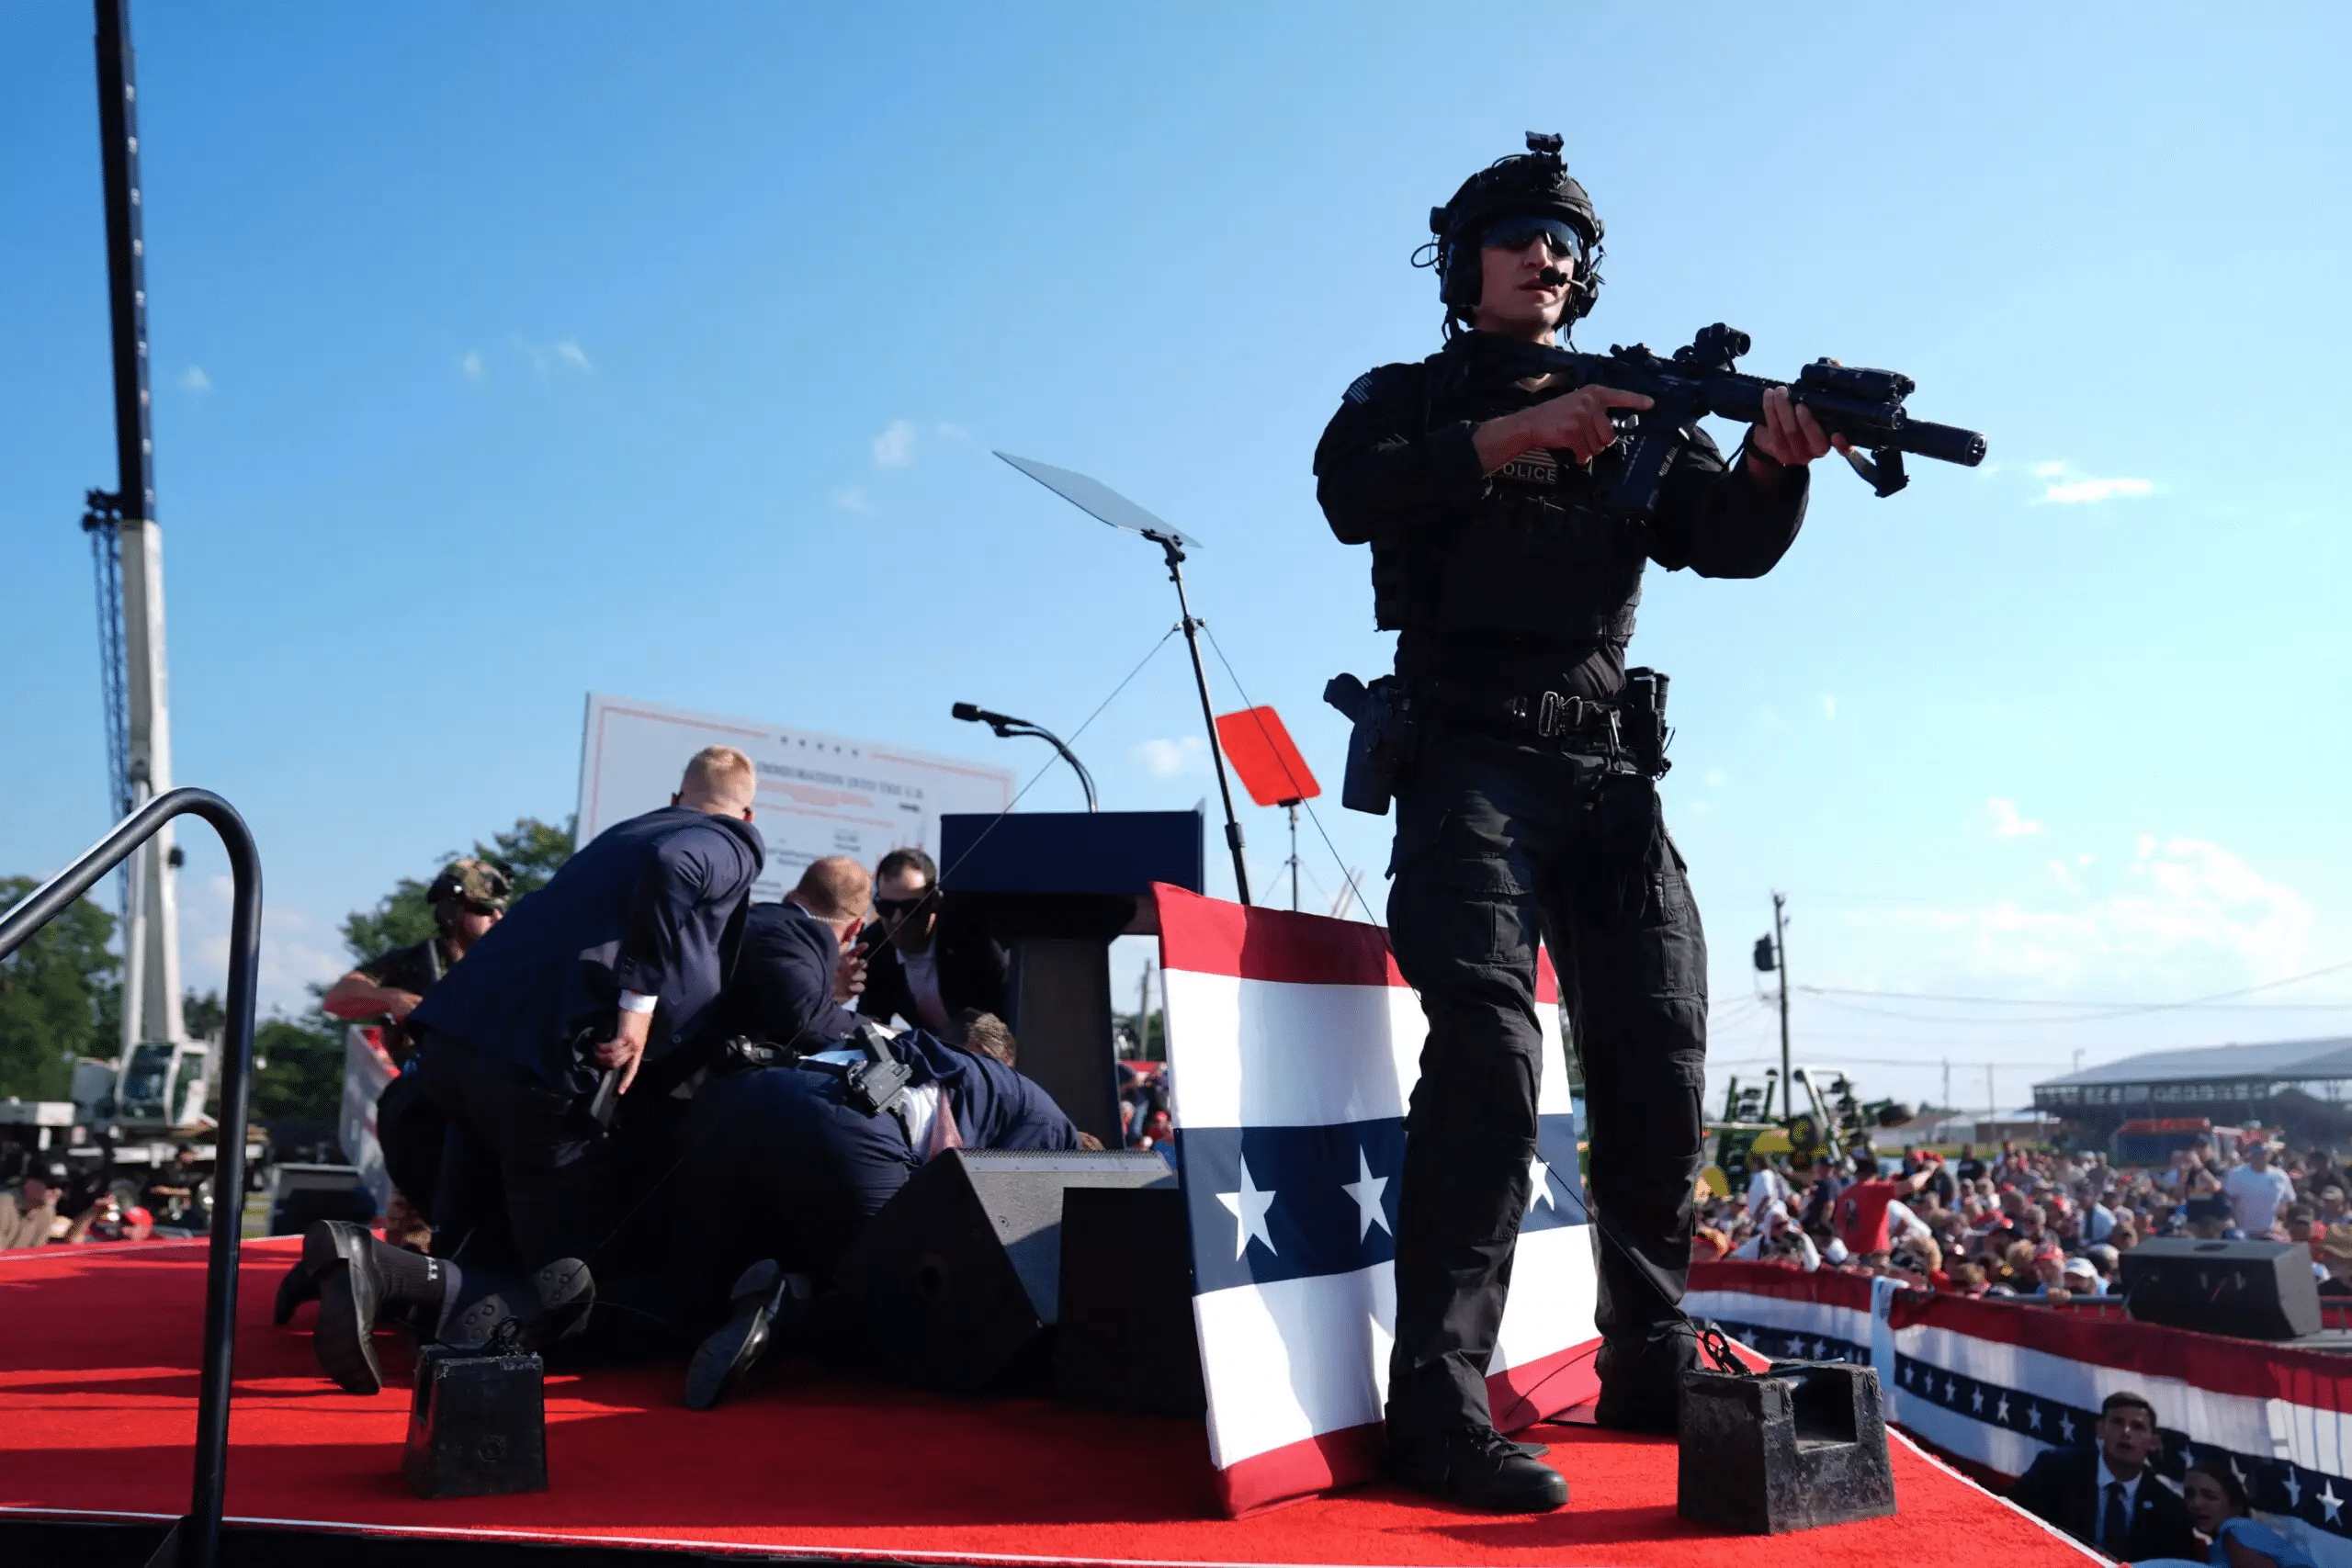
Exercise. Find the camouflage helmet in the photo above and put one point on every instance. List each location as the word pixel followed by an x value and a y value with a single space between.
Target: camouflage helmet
pixel 1529 183
pixel 478 882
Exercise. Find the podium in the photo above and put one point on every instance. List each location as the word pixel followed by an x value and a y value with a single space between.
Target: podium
pixel 1055 887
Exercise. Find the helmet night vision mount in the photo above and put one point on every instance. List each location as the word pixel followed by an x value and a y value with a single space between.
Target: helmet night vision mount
pixel 1530 184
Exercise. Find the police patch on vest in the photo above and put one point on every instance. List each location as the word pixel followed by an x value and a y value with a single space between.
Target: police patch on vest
pixel 1360 389
pixel 1537 469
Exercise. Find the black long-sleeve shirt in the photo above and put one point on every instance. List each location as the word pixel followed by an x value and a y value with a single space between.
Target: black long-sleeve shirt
pixel 1508 578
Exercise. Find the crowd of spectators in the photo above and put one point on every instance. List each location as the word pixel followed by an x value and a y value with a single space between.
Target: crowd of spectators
pixel 2030 1224
pixel 30 1215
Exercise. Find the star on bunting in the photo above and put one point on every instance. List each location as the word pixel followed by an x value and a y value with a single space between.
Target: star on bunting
pixel 1541 1175
pixel 1366 1189
pixel 2329 1500
pixel 1248 1208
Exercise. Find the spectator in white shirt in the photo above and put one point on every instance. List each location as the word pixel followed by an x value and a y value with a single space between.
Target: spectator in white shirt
pixel 2257 1191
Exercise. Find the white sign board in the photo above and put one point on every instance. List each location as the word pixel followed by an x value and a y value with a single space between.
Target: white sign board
pixel 819 795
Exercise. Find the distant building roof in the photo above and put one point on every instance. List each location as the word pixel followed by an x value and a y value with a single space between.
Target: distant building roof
pixel 2281 1060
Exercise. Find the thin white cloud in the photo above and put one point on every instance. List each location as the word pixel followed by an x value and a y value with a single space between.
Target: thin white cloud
pixel 1717 778
pixel 470 366
pixel 852 497
pixel 194 380
pixel 2069 487
pixel 1166 758
pixel 297 950
pixel 563 357
pixel 1829 705
pixel 895 447
pixel 2007 822
pixel 955 432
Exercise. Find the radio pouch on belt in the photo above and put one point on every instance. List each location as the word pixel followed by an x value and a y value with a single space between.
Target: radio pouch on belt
pixel 1376 744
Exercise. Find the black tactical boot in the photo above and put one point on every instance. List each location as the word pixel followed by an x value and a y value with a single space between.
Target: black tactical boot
pixel 551 1305
pixel 326 1242
pixel 359 1278
pixel 1641 1379
pixel 1481 1470
pixel 765 1295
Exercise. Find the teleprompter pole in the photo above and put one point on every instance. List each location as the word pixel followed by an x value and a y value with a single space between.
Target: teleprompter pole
pixel 1208 711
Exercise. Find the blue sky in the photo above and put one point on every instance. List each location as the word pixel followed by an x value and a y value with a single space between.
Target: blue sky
pixel 508 352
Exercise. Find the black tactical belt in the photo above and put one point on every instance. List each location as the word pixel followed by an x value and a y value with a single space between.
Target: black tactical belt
pixel 1543 716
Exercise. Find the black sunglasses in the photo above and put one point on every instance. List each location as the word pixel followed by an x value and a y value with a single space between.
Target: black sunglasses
pixel 892 908
pixel 1518 233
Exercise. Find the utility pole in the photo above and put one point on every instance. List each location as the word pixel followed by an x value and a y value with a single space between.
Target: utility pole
pixel 140 732
pixel 1773 957
pixel 1991 1100
pixel 1948 1101
pixel 1780 954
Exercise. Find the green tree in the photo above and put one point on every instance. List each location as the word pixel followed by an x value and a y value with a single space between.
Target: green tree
pixel 49 993
pixel 301 1075
pixel 530 851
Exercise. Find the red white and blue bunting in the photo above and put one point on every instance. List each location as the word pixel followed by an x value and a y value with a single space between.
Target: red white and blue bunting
pixel 1998 1383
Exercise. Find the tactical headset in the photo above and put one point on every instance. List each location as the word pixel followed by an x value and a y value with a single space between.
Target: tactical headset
pixel 1533 182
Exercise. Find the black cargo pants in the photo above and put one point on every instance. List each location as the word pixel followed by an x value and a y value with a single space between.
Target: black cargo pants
pixel 1495 848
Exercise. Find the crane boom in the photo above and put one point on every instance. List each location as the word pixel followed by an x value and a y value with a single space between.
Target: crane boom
pixel 140 730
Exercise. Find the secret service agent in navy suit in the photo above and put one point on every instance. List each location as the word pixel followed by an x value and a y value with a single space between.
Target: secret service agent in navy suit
pixel 796 1171
pixel 616 962
pixel 2107 1497
pixel 792 972
pixel 619 957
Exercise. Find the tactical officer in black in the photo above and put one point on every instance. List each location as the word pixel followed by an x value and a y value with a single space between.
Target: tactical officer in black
pixel 1526 810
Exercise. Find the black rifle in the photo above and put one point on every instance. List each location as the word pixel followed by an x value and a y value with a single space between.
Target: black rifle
pixel 1864 406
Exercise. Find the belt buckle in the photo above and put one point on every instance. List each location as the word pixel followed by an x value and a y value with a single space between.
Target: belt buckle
pixel 1558 715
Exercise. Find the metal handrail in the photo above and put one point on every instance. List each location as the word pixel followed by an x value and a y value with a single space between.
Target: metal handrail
pixel 197 1536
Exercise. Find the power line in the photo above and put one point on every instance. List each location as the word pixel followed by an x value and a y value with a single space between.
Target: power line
pixel 2100 1010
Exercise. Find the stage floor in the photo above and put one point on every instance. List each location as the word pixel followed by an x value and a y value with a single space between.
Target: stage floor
pixel 97 1396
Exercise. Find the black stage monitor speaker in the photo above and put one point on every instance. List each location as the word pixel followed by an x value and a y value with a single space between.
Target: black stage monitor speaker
pixel 959 1275
pixel 2251 1290
pixel 1126 1340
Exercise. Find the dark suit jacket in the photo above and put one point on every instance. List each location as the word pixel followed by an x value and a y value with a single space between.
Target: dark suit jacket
pixel 783 986
pixel 2061 1486
pixel 652 905
pixel 972 970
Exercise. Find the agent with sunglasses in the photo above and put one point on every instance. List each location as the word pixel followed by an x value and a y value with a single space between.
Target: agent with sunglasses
pixel 1523 814
pixel 925 960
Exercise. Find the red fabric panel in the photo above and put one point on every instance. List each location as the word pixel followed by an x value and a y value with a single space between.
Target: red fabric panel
pixel 2249 1368
pixel 2246 1367
pixel 1210 936
pixel 1827 1286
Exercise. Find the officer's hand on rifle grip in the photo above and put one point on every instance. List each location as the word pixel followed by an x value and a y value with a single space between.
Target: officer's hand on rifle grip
pixel 1577 422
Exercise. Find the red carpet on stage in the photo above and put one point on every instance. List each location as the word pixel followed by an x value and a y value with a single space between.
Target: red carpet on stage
pixel 97 1397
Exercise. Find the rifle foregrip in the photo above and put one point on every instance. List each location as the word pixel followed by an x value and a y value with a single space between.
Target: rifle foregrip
pixel 1944 443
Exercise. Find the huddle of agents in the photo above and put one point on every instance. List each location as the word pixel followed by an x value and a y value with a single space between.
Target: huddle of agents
pixel 648 1137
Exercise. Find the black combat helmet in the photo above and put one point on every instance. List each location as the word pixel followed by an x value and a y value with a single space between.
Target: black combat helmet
pixel 1533 183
